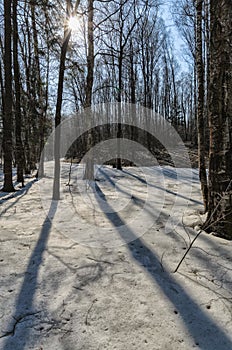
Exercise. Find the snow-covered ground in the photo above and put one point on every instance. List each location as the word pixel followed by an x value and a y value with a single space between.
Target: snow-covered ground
pixel 99 274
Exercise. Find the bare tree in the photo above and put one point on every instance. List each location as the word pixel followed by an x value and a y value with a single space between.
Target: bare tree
pixel 200 103
pixel 89 171
pixel 18 114
pixel 7 117
pixel 70 11
pixel 220 119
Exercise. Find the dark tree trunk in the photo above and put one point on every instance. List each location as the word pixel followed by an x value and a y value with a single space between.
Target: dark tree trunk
pixel 38 91
pixel 67 35
pixel 119 125
pixel 120 62
pixel 7 117
pixel 2 85
pixel 28 104
pixel 220 120
pixel 56 183
pixel 200 105
pixel 89 170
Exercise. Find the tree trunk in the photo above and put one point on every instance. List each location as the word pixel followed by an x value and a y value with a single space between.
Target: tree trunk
pixel 7 118
pixel 29 118
pixel 38 91
pixel 18 117
pixel 56 183
pixel 119 124
pixel 200 105
pixel 120 62
pixel 220 120
pixel 89 170
pixel 67 35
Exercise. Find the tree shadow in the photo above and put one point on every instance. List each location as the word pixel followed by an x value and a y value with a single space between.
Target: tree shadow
pixel 24 305
pixel 171 175
pixel 206 333
pixel 139 178
pixel 16 195
pixel 114 184
pixel 127 172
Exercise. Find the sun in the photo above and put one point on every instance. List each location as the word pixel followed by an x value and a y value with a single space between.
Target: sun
pixel 74 23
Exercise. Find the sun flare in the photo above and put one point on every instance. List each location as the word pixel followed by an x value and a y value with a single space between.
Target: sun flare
pixel 74 23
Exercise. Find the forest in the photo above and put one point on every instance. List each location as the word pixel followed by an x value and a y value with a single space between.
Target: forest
pixel 57 59
pixel 115 124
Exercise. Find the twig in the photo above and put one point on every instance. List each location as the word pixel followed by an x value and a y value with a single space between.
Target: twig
pixel 100 261
pixel 17 320
pixel 190 246
pixel 205 228
pixel 161 262
pixel 70 173
pixel 87 315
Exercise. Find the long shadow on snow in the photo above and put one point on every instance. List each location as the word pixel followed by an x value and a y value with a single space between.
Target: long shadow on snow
pixel 205 332
pixel 16 195
pixel 24 304
pixel 145 183
pixel 163 189
pixel 162 218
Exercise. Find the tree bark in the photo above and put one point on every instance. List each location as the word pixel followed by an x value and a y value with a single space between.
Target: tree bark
pixel 89 170
pixel 220 120
pixel 200 104
pixel 59 100
pixel 56 183
pixel 7 117
pixel 38 90
pixel 18 116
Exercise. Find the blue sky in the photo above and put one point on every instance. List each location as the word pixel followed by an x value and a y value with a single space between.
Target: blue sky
pixel 167 16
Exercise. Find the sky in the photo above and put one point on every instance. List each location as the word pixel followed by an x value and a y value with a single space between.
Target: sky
pixel 167 16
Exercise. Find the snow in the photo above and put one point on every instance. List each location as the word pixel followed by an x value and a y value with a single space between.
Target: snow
pixel 81 281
